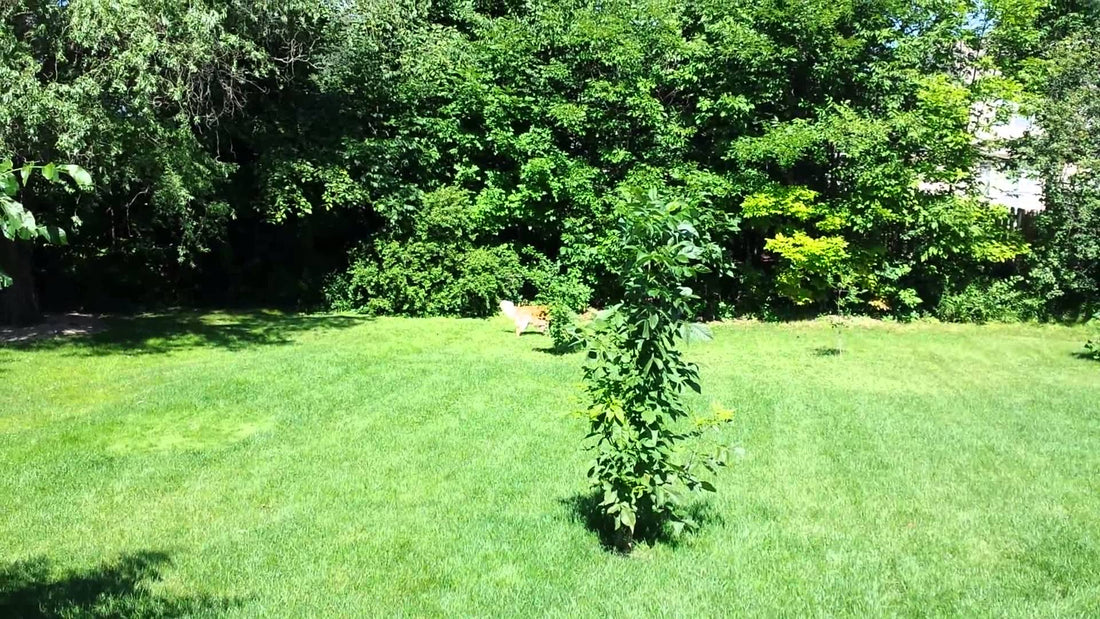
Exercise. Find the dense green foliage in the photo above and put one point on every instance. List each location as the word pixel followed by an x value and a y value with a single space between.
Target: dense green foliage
pixel 1004 300
pixel 437 267
pixel 139 93
pixel 636 376
pixel 330 466
pixel 1067 154
pixel 419 157
pixel 566 298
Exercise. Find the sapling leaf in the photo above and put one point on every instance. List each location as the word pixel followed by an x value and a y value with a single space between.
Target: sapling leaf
pixel 8 184
pixel 79 175
pixel 628 518
pixel 53 234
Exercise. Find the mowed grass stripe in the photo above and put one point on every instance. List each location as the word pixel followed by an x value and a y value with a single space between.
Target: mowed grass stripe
pixel 289 465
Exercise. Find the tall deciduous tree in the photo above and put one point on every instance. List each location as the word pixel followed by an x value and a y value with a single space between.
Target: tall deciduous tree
pixel 135 91
pixel 1064 79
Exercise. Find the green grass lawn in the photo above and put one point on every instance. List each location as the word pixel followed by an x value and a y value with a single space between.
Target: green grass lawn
pixel 260 464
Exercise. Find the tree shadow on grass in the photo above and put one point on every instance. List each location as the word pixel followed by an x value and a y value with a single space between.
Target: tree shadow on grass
pixel 1087 356
pixel 585 509
pixel 162 333
pixel 556 350
pixel 120 588
pixel 826 351
pixel 526 333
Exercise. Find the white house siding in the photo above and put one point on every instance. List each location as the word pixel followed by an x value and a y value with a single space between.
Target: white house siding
pixel 1020 191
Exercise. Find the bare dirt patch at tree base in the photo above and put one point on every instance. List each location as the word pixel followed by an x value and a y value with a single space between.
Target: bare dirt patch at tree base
pixel 54 325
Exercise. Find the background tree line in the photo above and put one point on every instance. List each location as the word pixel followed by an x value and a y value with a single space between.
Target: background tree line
pixel 416 157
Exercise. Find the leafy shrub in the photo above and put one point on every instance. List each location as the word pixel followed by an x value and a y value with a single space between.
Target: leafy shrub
pixel 636 376
pixel 1066 266
pixel 807 261
pixel 564 329
pixel 484 276
pixel 1092 347
pixel 441 269
pixel 567 291
pixel 998 301
pixel 423 278
pixel 565 295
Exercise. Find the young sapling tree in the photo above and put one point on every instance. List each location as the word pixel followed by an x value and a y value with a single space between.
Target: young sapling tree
pixel 636 377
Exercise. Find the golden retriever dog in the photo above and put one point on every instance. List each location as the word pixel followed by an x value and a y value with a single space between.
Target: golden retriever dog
pixel 524 315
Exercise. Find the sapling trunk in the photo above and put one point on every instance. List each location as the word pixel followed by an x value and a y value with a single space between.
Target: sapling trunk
pixel 19 301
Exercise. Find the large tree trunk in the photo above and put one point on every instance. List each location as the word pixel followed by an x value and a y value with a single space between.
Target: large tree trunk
pixel 18 302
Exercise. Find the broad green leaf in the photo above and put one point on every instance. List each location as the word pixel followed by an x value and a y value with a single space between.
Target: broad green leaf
pixel 10 218
pixel 697 332
pixel 53 234
pixel 8 184
pixel 79 175
pixel 49 172
pixel 27 219
pixel 5 281
pixel 627 518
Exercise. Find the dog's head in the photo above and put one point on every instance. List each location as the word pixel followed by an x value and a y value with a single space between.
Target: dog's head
pixel 507 307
